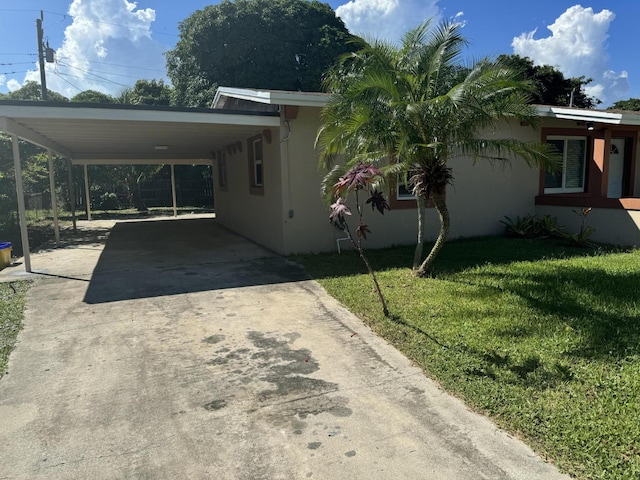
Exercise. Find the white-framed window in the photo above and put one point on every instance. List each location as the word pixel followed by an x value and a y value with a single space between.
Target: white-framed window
pixel 569 178
pixel 403 190
pixel 256 165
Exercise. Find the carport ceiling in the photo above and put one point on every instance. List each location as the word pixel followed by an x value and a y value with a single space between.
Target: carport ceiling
pixel 126 134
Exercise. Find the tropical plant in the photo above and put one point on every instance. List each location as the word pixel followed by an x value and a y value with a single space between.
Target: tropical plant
pixel 580 239
pixel 359 178
pixel 531 226
pixel 413 108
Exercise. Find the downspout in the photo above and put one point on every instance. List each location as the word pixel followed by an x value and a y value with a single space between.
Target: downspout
pixel 285 177
pixel 21 207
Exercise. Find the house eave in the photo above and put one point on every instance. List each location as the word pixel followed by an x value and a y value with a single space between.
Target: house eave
pixel 272 97
pixel 599 116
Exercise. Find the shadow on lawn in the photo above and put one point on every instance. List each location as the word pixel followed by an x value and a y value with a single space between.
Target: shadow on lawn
pixel 456 256
pixel 599 306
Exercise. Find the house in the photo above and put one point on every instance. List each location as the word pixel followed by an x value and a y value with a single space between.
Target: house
pixel 260 144
pixel 268 185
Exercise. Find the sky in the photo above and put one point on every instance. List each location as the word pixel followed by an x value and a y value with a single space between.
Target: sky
pixel 107 45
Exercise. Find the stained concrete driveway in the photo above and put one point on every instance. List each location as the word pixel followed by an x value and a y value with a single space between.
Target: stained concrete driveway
pixel 179 350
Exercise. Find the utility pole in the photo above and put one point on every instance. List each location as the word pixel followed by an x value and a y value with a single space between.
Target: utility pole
pixel 43 78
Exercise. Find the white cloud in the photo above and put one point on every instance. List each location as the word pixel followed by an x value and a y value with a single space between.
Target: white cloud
pixel 13 85
pixel 386 19
pixel 578 47
pixel 3 80
pixel 107 46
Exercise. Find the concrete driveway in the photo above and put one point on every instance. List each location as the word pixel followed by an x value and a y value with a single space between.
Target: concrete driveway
pixel 176 349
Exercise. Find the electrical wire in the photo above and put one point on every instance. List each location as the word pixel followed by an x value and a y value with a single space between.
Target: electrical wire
pixel 61 77
pixel 115 65
pixel 92 74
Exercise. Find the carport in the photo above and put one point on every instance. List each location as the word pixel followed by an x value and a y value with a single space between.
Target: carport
pixel 98 134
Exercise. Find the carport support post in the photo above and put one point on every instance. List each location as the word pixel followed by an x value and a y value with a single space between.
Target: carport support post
pixel 72 197
pixel 21 208
pixel 173 190
pixel 54 198
pixel 86 192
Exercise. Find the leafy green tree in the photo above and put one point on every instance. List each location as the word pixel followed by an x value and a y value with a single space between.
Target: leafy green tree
pixel 32 91
pixel 150 92
pixel 276 44
pixel 405 108
pixel 552 88
pixel 633 104
pixel 92 96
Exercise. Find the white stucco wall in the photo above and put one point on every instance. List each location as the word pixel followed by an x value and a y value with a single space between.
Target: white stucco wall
pixel 258 217
pixel 482 194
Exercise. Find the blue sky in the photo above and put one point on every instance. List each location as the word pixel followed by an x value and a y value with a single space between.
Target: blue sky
pixel 107 44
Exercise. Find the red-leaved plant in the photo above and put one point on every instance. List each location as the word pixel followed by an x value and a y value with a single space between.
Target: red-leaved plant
pixel 360 178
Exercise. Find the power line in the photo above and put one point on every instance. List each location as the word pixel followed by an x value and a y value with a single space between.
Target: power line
pixel 92 74
pixel 65 15
pixel 64 79
pixel 118 65
pixel 13 73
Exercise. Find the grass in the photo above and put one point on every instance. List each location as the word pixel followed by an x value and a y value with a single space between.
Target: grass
pixel 12 297
pixel 543 338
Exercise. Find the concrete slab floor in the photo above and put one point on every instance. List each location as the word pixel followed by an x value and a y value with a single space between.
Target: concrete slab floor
pixel 180 350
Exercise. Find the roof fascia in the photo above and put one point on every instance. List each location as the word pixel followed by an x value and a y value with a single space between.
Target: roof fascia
pixel 613 118
pixel 301 99
pixel 88 113
pixel 7 125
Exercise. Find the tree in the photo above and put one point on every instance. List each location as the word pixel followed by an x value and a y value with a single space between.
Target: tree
pixel 150 92
pixel 32 91
pixel 406 108
pixel 633 104
pixel 92 96
pixel 552 88
pixel 276 44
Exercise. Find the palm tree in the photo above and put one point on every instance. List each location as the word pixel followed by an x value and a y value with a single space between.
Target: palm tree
pixel 412 108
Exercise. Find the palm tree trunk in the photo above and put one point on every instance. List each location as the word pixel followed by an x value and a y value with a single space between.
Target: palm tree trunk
pixel 417 256
pixel 441 206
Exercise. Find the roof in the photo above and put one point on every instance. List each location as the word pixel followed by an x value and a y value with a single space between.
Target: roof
pixel 613 117
pixel 107 133
pixel 271 97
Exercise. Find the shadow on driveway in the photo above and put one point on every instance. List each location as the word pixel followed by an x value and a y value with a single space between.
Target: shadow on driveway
pixel 156 258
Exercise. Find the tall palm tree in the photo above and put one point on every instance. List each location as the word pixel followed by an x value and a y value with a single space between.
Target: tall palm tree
pixel 412 108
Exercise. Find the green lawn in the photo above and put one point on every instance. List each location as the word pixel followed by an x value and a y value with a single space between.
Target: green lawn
pixel 543 338
pixel 11 315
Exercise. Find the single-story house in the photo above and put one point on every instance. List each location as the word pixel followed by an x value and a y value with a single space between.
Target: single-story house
pixel 260 144
pixel 268 188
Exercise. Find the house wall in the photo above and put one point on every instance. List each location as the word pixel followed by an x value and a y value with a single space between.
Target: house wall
pixel 615 221
pixel 482 194
pixel 258 217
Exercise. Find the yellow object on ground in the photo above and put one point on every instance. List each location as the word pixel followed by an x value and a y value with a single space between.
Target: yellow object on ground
pixel 5 255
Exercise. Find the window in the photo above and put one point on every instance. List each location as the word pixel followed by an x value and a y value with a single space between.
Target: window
pixel 222 169
pixel 404 190
pixel 256 164
pixel 570 177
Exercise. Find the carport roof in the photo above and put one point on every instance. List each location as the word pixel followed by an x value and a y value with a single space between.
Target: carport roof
pixel 130 134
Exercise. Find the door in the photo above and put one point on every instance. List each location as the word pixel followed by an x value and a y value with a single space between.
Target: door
pixel 616 168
